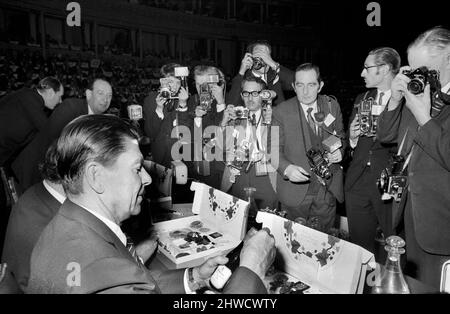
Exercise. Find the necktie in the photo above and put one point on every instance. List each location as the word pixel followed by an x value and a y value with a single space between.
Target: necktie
pixel 132 249
pixel 311 120
pixel 253 121
pixel 380 99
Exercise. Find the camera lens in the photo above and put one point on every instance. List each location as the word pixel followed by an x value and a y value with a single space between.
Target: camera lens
pixel 165 93
pixel 416 86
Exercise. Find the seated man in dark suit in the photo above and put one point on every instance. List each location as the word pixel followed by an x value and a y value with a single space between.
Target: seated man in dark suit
pixel 83 249
pixel 29 216
pixel 98 99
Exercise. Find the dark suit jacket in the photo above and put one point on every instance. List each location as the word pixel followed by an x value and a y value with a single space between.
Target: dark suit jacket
pixel 428 173
pixel 22 115
pixel 152 122
pixel 367 148
pixel 106 266
pixel 292 150
pixel 234 96
pixel 25 167
pixel 29 216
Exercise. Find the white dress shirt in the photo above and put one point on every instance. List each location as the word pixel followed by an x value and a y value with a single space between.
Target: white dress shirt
pixel 315 110
pixel 58 196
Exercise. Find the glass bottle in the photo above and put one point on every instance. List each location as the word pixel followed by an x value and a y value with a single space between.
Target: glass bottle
pixel 392 280
pixel 253 208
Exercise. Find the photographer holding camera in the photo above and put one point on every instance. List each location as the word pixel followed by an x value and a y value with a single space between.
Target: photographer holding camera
pixel 246 139
pixel 306 122
pixel 364 206
pixel 258 61
pixel 207 107
pixel 422 118
pixel 157 105
pixel 165 110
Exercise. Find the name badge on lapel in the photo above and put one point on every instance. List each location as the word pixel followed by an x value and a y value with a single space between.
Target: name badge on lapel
pixel 329 119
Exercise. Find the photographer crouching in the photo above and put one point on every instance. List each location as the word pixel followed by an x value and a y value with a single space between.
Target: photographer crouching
pixel 418 115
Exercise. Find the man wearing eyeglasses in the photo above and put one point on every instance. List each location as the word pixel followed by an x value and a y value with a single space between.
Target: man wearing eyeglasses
pixel 247 146
pixel 364 206
pixel 304 122
pixel 98 98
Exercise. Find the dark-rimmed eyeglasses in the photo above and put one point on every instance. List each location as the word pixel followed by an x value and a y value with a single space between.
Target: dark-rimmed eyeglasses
pixel 372 66
pixel 247 94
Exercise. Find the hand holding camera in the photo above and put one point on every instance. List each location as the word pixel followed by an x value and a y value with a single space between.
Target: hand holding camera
pixel 296 174
pixel 228 115
pixel 200 111
pixel 246 63
pixel 355 130
pixel 334 157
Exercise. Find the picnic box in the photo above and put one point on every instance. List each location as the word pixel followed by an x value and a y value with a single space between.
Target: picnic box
pixel 326 263
pixel 218 216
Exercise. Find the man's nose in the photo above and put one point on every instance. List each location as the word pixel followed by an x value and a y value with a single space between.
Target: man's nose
pixel 145 177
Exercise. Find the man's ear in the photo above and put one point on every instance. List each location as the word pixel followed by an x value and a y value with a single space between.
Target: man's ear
pixel 93 176
pixel 88 94
pixel 321 84
pixel 293 85
pixel 50 93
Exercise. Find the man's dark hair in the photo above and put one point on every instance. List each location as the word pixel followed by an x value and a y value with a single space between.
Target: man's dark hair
pixel 388 56
pixel 49 167
pixel 262 42
pixel 99 138
pixel 249 77
pixel 309 67
pixel 168 69
pixel 49 82
pixel 91 82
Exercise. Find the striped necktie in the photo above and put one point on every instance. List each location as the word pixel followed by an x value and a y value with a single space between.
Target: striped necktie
pixel 132 249
pixel 311 120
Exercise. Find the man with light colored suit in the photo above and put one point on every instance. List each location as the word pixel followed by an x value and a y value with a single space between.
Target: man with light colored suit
pixel 83 249
pixel 301 192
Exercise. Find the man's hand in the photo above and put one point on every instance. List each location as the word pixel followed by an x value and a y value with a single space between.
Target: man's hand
pixel 199 112
pixel 183 94
pixel 2 271
pixel 228 114
pixel 160 102
pixel 335 156
pixel 296 174
pixel 146 248
pixel 355 130
pixel 203 272
pixel 258 252
pixel 398 87
pixel 420 105
pixel 217 92
pixel 246 63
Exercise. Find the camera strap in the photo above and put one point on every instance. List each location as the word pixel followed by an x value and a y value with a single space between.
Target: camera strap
pixel 409 153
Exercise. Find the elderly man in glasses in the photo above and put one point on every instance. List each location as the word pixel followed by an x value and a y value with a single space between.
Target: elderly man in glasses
pixel 365 208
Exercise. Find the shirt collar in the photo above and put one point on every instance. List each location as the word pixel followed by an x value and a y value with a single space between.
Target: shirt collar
pixel 90 110
pixel 386 96
pixel 58 196
pixel 111 225
pixel 446 88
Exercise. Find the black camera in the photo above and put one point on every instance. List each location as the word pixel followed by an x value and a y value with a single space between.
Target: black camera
pixel 258 63
pixel 318 163
pixel 368 112
pixel 165 91
pixel 420 77
pixel 392 181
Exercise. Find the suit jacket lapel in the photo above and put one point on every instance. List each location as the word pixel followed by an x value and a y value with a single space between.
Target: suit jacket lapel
pixel 302 122
pixel 73 211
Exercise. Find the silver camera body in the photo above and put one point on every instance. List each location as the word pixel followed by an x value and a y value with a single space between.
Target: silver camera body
pixel 368 123
pixel 241 112
pixel 205 93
